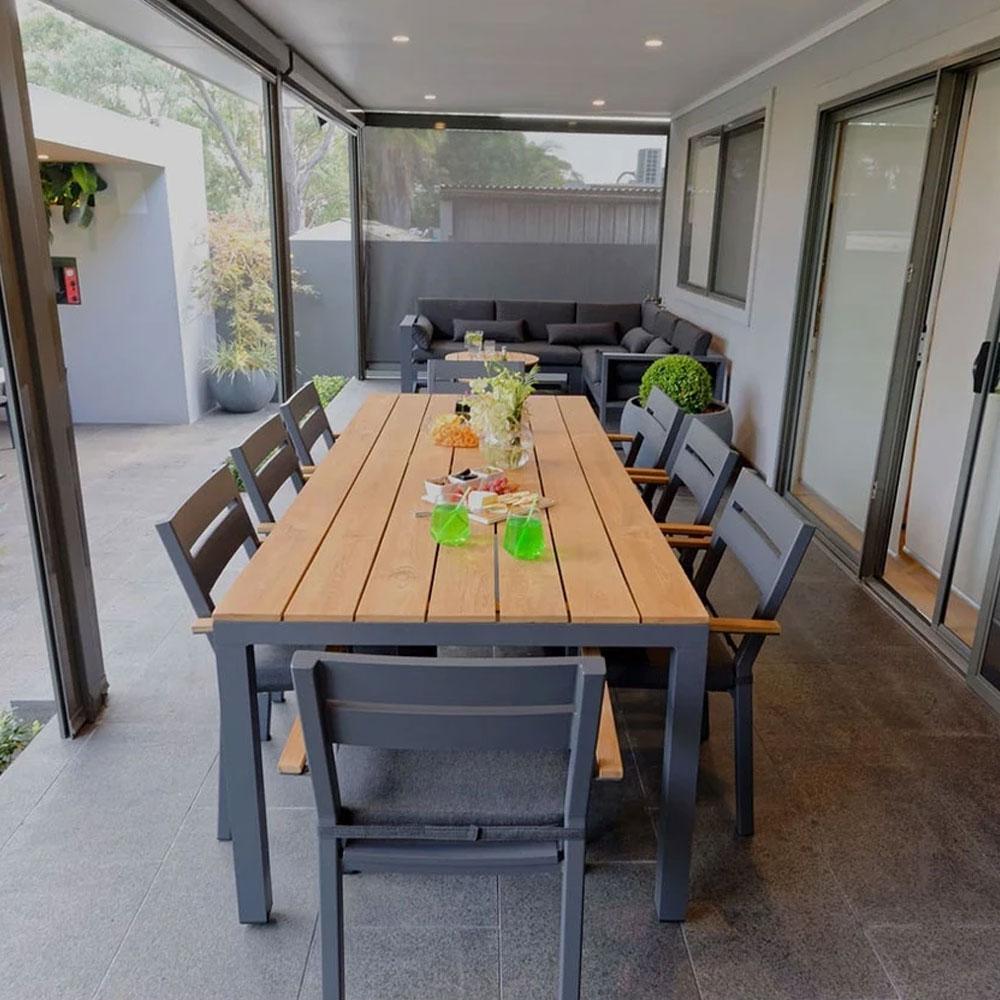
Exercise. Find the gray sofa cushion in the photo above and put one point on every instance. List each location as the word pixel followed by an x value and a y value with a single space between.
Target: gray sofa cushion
pixel 636 340
pixel 565 355
pixel 590 360
pixel 438 349
pixel 659 346
pixel 503 331
pixel 659 322
pixel 579 334
pixel 443 312
pixel 690 339
pixel 537 314
pixel 451 787
pixel 423 332
pixel 625 314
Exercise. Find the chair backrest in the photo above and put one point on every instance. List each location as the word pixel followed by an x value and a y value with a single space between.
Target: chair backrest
pixel 765 535
pixel 705 464
pixel 433 704
pixel 305 422
pixel 452 376
pixel 655 427
pixel 266 461
pixel 205 534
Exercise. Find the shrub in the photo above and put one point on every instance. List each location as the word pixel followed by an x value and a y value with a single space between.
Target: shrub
pixel 683 379
pixel 328 386
pixel 15 735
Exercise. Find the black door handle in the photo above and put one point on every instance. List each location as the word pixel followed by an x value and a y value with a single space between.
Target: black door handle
pixel 979 367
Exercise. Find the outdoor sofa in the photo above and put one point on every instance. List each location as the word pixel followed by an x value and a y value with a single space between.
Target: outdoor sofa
pixel 602 348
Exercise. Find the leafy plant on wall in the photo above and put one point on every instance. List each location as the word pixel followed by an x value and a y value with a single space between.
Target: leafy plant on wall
pixel 71 187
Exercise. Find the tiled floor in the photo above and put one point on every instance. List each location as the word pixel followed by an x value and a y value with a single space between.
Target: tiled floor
pixel 874 873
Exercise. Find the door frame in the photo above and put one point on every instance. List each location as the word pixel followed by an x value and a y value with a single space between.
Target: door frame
pixel 39 407
pixel 809 296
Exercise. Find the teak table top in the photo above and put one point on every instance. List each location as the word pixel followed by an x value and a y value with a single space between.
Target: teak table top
pixel 350 549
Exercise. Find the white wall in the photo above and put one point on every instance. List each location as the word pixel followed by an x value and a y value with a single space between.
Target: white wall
pixel 135 347
pixel 901 37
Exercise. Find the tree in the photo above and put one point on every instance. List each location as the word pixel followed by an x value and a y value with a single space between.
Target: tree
pixel 72 58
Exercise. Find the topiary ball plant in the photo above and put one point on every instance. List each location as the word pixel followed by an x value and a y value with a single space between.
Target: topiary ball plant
pixel 683 379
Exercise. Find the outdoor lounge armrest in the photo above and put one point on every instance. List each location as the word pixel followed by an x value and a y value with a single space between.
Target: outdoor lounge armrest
pixel 745 626
pixel 675 528
pixel 202 626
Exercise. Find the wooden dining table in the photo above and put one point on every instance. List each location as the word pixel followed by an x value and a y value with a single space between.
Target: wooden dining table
pixel 349 564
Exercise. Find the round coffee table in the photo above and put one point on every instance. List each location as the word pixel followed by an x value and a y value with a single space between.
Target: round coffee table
pixel 528 359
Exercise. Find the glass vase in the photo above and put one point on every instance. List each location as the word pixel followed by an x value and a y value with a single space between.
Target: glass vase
pixel 508 447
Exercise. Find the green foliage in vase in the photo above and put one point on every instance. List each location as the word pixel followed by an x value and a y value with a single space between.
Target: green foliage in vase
pixel 498 398
pixel 683 379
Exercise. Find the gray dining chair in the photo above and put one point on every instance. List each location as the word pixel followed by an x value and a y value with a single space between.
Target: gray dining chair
pixel 449 766
pixel 453 376
pixel 769 539
pixel 650 434
pixel 201 539
pixel 265 461
pixel 306 423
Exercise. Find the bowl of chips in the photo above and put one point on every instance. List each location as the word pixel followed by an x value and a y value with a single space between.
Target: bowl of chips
pixel 452 430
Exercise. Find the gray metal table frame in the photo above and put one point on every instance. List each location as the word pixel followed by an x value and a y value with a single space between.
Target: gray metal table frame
pixel 233 642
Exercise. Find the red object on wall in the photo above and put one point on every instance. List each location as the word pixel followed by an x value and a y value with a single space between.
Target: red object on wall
pixel 72 284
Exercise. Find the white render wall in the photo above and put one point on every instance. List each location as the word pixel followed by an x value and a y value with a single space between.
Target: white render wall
pixel 896 39
pixel 135 347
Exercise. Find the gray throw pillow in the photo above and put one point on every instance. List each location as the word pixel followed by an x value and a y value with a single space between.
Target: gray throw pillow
pixel 581 334
pixel 503 331
pixel 659 346
pixel 423 333
pixel 636 340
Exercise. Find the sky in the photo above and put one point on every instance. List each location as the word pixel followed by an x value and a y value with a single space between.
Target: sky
pixel 599 158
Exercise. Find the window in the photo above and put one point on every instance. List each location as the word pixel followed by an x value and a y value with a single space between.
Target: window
pixel 720 206
pixel 494 214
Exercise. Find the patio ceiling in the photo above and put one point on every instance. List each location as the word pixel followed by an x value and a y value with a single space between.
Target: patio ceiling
pixel 554 57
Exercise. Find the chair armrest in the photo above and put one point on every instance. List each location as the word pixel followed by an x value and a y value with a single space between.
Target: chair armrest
pixel 202 626
pixel 674 528
pixel 307 470
pixel 265 527
pixel 677 542
pixel 745 626
pixel 608 752
pixel 654 477
pixel 620 438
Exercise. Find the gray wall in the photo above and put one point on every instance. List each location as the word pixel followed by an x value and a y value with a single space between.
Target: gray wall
pixel 325 317
pixel 400 272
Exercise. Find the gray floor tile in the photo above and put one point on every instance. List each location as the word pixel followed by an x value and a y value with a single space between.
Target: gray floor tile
pixel 928 962
pixel 626 952
pixel 420 901
pixel 414 964
pixel 61 924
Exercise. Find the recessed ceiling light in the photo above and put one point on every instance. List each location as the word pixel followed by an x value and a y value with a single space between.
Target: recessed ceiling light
pixel 440 126
pixel 598 102
pixel 43 156
pixel 653 43
pixel 400 39
pixel 430 97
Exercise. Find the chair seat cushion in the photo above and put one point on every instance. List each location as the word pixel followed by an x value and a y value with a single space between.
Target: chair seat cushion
pixel 451 787
pixel 646 668
pixel 551 354
pixel 590 359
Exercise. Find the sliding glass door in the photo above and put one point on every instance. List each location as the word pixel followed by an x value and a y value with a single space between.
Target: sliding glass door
pixel 875 165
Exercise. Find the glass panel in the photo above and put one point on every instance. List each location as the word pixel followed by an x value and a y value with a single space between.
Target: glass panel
pixel 738 211
pixel 321 231
pixel 172 268
pixel 699 209
pixel 875 191
pixel 506 215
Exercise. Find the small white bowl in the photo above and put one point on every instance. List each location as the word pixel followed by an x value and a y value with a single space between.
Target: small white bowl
pixel 435 488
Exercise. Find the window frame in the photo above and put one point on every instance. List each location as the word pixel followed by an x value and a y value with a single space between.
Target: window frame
pixel 724 133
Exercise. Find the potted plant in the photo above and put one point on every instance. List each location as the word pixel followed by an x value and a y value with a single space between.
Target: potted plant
pixel 496 412
pixel 688 383
pixel 71 187
pixel 235 282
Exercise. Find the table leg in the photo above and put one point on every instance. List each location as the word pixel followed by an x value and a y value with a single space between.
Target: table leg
pixel 244 780
pixel 678 787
